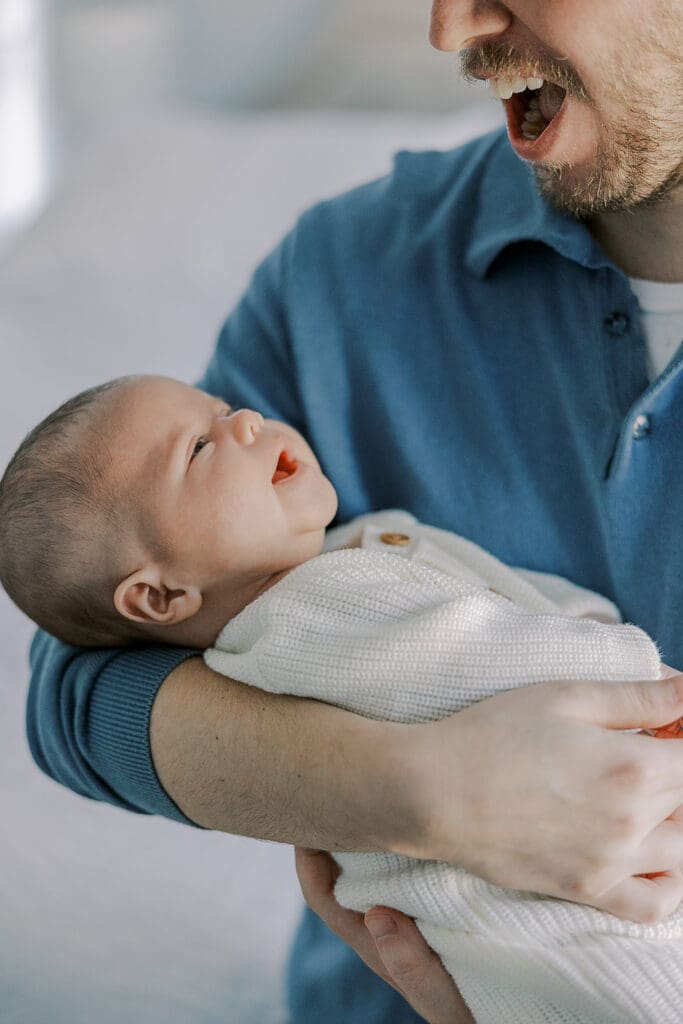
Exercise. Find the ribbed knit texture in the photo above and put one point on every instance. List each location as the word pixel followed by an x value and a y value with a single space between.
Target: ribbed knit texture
pixel 393 638
pixel 121 703
pixel 88 720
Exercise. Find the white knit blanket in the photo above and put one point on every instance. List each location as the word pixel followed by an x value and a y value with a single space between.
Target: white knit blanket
pixel 396 638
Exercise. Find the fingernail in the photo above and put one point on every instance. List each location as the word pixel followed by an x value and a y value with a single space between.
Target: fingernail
pixel 380 925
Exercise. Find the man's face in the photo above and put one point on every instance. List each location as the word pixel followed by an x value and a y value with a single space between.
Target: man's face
pixel 610 131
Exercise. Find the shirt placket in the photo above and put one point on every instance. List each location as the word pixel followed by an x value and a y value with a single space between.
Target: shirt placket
pixel 644 503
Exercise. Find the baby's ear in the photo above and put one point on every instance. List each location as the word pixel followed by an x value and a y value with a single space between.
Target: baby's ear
pixel 144 597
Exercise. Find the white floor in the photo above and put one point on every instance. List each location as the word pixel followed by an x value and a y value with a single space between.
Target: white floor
pixel 106 916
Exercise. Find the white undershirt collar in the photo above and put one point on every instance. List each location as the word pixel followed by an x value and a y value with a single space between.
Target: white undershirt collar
pixel 661 311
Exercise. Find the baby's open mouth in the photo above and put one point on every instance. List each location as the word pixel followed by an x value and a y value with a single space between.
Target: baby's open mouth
pixel 285 468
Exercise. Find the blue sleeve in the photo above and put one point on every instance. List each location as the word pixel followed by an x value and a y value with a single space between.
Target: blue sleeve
pixel 88 711
pixel 87 720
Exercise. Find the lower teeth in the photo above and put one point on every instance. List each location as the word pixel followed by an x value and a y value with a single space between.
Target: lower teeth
pixel 534 123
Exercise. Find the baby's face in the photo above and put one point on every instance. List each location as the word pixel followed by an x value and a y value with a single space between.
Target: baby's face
pixel 231 496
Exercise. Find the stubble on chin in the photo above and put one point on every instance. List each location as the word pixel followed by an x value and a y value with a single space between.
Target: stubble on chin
pixel 639 152
pixel 636 165
pixel 639 118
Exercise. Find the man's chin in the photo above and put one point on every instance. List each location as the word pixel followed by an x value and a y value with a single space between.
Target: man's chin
pixel 604 188
pixel 593 165
pixel 573 176
pixel 568 191
pixel 584 192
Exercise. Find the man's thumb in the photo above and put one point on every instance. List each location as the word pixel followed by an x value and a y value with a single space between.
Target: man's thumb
pixel 648 704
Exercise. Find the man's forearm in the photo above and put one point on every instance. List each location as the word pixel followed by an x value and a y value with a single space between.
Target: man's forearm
pixel 276 767
pixel 534 789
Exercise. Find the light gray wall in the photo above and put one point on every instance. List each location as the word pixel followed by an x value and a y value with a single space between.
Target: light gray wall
pixel 102 62
pixel 108 917
pixel 360 54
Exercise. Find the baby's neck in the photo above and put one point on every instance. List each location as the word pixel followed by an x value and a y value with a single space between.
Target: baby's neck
pixel 202 629
pixel 219 608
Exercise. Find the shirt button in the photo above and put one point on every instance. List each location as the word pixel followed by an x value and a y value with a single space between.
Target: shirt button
pixel 617 324
pixel 396 539
pixel 641 427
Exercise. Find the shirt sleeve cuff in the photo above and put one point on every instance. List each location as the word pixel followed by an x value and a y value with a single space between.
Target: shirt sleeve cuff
pixel 116 726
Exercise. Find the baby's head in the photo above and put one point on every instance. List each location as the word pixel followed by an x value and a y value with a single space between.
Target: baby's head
pixel 145 509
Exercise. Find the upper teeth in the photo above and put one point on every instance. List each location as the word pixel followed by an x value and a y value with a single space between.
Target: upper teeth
pixel 503 88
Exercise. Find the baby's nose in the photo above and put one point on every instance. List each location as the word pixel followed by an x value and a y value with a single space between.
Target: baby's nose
pixel 246 424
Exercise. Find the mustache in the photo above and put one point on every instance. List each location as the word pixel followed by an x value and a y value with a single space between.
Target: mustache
pixel 505 61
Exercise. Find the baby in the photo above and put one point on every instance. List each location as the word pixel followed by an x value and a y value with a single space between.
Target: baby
pixel 146 510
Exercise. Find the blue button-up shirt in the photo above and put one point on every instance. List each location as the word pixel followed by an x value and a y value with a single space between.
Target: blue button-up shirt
pixel 452 345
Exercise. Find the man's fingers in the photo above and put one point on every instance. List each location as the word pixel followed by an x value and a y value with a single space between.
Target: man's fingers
pixel 397 953
pixel 316 871
pixel 415 969
pixel 644 900
pixel 662 849
pixel 317 874
pixel 647 704
pixel 405 959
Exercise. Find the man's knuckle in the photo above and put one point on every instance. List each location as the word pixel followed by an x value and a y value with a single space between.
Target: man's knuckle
pixel 592 863
pixel 632 775
pixel 405 968
pixel 578 887
pixel 624 827
pixel 594 879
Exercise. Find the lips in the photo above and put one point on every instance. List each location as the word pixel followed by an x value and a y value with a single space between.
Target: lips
pixel 285 468
pixel 540 147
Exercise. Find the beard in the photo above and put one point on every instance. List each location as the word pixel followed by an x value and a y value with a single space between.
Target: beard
pixel 636 165
pixel 639 159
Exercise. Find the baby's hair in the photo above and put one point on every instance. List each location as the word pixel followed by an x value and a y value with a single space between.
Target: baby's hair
pixel 60 524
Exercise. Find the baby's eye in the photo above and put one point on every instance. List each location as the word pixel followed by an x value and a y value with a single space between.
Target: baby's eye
pixel 201 442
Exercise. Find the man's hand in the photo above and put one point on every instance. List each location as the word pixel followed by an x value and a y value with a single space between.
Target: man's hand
pixel 547 796
pixel 387 941
pixel 533 789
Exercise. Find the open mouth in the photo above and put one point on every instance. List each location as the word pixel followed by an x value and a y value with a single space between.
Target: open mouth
pixel 531 105
pixel 534 111
pixel 285 468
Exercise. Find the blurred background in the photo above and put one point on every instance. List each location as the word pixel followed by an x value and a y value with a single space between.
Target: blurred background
pixel 150 154
pixel 70 69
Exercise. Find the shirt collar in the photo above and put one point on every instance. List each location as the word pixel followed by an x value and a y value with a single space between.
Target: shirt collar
pixel 511 210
